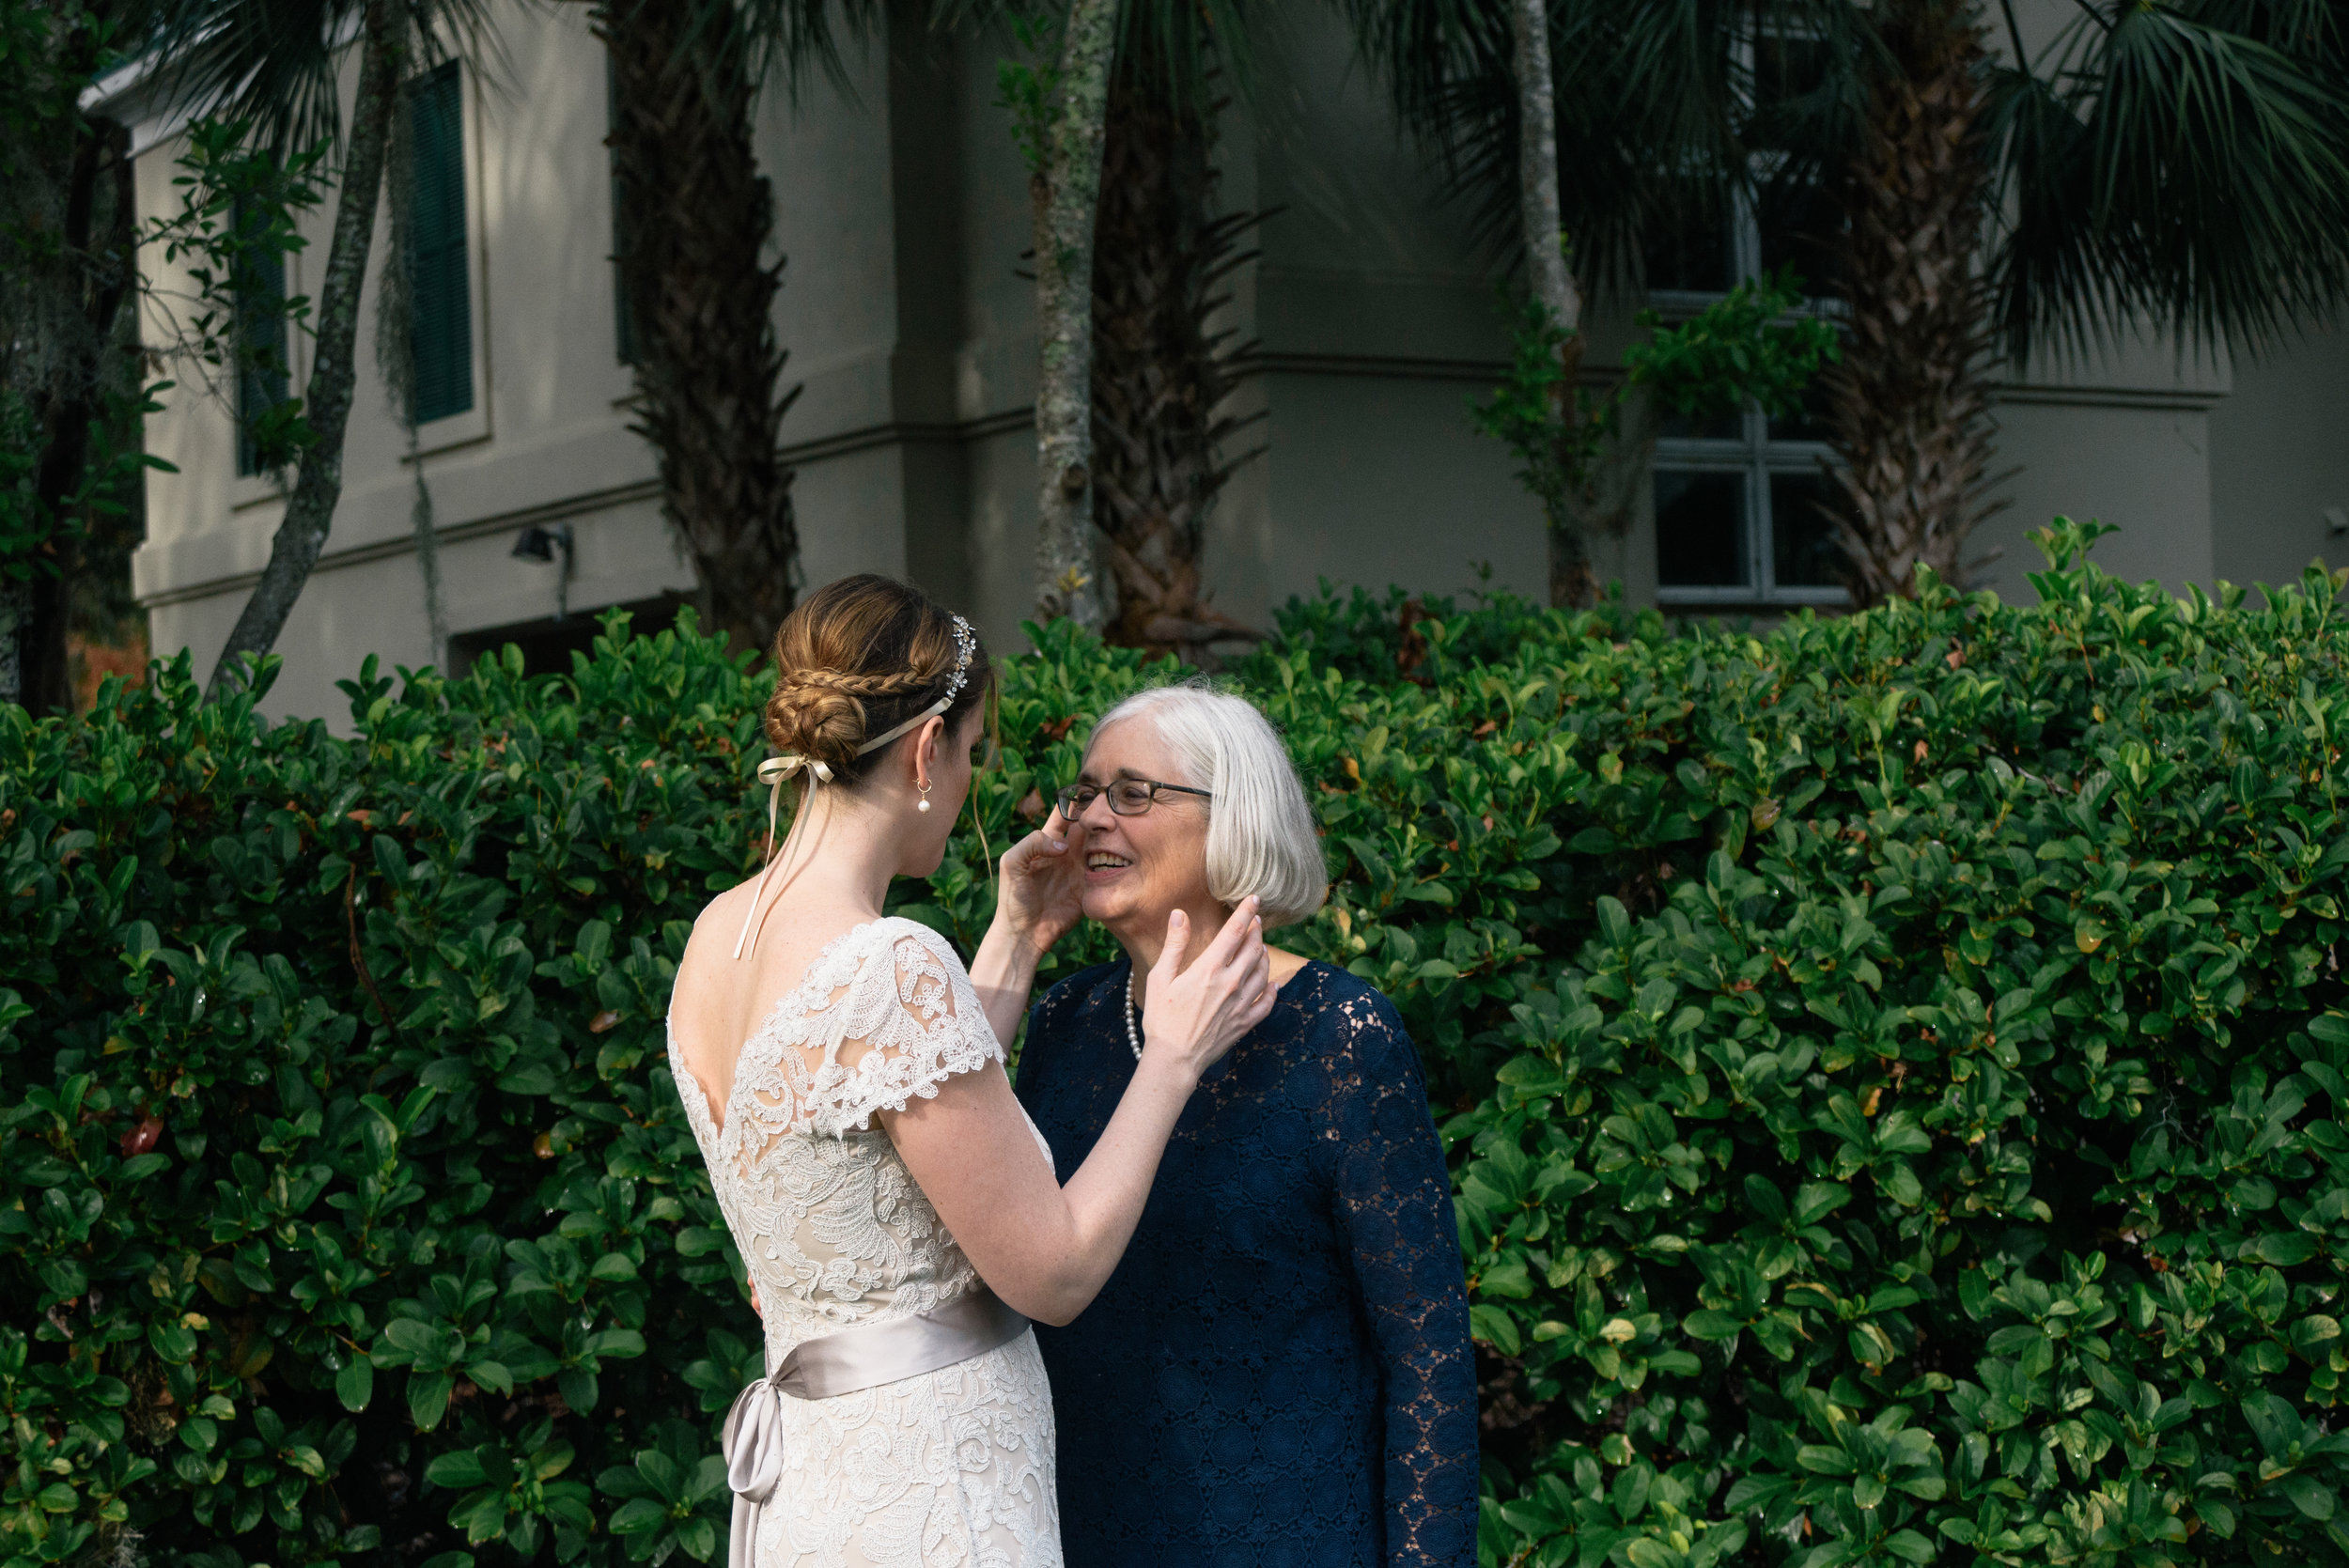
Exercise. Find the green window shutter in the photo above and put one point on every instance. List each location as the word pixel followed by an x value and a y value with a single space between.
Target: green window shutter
pixel 441 282
pixel 261 345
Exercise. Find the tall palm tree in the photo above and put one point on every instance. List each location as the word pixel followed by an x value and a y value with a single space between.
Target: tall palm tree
pixel 696 215
pixel 2182 166
pixel 1118 128
pixel 1908 408
pixel 1163 365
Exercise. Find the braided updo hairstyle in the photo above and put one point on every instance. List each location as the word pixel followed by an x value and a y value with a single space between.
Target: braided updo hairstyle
pixel 858 658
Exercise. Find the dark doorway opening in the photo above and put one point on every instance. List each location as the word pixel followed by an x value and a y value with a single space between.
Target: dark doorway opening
pixel 547 646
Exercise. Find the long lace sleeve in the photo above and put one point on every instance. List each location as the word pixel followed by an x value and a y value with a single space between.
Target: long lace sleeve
pixel 1393 1202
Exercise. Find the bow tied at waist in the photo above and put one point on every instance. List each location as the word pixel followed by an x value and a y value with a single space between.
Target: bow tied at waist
pixel 848 1362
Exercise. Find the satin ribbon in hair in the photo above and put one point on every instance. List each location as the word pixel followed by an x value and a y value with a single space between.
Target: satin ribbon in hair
pixel 775 770
pixel 971 1324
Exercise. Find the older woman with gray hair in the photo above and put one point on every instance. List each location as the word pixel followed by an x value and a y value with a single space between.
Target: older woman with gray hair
pixel 1279 1372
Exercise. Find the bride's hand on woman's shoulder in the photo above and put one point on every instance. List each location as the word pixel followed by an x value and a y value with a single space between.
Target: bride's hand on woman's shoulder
pixel 1042 895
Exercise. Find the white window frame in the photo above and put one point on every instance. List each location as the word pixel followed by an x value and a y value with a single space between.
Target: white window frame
pixel 1752 453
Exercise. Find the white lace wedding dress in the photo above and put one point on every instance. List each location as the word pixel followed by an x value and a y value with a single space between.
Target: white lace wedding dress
pixel 952 1468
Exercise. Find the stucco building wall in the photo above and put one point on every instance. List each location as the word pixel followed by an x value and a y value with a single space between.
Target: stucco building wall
pixel 902 207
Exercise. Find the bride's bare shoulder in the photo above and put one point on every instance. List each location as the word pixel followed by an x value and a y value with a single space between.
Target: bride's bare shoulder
pixel 716 927
pixel 733 901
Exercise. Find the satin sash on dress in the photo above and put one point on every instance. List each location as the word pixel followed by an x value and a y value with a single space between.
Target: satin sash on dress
pixel 971 1324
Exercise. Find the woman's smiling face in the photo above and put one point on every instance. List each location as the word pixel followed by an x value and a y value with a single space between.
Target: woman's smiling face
pixel 1138 869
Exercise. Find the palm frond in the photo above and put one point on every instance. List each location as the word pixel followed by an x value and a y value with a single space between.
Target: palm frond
pixel 1190 54
pixel 785 42
pixel 2045 276
pixel 1654 104
pixel 2181 171
pixel 272 63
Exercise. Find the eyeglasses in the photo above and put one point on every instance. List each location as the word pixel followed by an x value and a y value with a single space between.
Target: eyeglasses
pixel 1128 797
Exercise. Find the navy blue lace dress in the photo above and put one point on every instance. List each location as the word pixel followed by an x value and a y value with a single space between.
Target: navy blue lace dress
pixel 1279 1373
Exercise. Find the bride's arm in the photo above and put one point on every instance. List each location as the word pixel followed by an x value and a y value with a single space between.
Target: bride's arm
pixel 1038 891
pixel 1047 1249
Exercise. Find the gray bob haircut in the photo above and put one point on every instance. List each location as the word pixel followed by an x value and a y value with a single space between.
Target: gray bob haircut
pixel 1260 832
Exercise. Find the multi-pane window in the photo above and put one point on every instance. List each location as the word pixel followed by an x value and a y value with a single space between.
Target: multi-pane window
pixel 1740 500
pixel 1739 513
pixel 261 364
pixel 441 281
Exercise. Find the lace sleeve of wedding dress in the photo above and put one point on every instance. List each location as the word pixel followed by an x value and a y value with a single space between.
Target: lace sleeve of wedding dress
pixel 1395 1212
pixel 908 1022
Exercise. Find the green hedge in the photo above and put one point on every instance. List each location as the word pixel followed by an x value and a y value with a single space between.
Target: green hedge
pixel 1894 1070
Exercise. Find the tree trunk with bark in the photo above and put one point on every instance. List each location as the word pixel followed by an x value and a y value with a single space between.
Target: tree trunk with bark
pixel 1910 405
pixel 1572 582
pixel 68 228
pixel 696 219
pixel 102 230
pixel 1603 503
pixel 319 481
pixel 1066 191
pixel 1160 369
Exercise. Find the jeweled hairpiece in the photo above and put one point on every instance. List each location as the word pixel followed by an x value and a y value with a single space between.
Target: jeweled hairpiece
pixel 966 643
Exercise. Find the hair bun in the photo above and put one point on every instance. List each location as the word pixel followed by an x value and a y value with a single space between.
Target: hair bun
pixel 862 657
pixel 819 714
pixel 815 719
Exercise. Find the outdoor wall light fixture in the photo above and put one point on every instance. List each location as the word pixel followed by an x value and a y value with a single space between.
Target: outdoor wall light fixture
pixel 549 546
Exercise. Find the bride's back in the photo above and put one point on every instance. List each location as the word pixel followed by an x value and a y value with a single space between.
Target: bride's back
pixel 721 1001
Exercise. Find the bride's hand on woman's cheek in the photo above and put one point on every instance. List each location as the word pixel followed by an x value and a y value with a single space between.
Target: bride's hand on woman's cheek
pixel 1042 894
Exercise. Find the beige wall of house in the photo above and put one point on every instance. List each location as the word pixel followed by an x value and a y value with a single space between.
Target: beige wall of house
pixel 2280 461
pixel 902 207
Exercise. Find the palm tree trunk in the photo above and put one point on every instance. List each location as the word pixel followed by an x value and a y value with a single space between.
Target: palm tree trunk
pixel 696 216
pixel 1910 404
pixel 1571 578
pixel 318 482
pixel 1066 191
pixel 1160 373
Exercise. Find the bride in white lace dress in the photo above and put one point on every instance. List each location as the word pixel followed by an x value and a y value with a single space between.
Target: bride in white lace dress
pixel 843 1076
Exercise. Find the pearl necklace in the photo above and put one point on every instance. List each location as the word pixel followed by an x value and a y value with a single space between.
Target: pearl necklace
pixel 1133 1035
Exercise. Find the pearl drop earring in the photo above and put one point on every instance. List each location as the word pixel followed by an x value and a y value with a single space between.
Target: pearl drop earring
pixel 924 804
